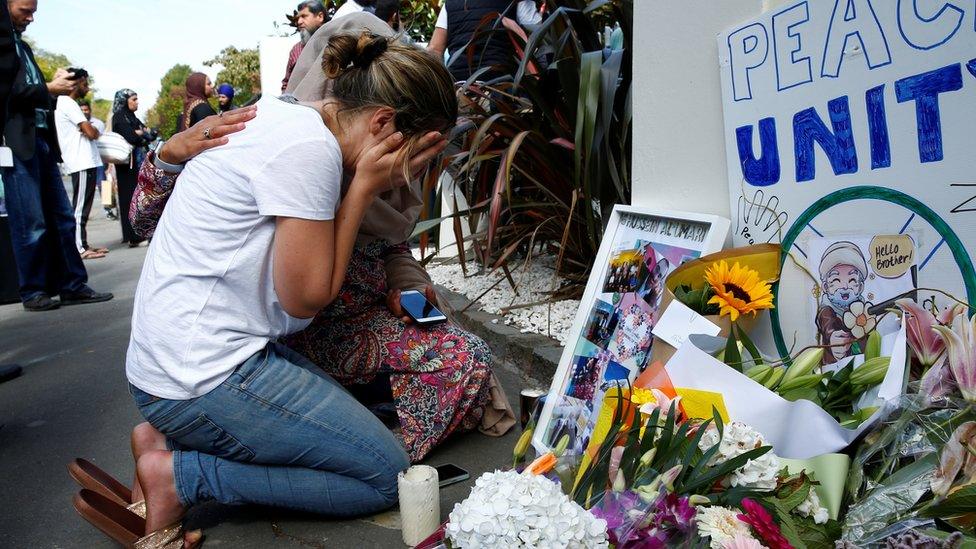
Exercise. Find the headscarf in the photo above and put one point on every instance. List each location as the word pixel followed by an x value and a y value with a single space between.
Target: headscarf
pixel 393 214
pixel 121 102
pixel 120 108
pixel 196 93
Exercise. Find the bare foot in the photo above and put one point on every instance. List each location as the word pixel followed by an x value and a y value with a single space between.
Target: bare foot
pixel 145 438
pixel 155 472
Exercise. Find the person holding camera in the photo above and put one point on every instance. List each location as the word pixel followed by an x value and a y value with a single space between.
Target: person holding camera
pixel 41 219
pixel 127 124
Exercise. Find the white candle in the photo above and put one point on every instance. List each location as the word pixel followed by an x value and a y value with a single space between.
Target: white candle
pixel 420 503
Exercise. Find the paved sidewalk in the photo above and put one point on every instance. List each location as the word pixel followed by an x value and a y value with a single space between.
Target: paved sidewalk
pixel 72 401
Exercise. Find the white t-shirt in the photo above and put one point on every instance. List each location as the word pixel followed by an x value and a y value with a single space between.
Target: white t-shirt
pixel 206 299
pixel 350 6
pixel 78 153
pixel 98 125
pixel 525 11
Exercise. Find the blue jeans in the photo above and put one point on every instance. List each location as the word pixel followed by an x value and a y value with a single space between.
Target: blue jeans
pixel 42 227
pixel 279 432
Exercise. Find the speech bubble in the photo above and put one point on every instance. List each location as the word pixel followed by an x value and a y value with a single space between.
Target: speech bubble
pixel 892 254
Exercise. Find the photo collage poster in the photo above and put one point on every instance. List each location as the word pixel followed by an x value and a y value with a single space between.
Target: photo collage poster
pixel 615 343
pixel 858 278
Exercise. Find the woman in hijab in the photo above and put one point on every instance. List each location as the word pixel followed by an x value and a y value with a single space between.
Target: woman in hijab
pixel 196 106
pixel 127 124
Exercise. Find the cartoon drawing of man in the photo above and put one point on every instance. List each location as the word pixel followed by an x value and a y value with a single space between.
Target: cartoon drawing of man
pixel 842 274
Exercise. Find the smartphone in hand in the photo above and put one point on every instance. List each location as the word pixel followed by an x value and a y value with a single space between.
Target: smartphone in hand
pixel 422 311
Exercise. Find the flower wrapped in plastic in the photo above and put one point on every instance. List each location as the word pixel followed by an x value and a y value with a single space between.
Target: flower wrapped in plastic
pixel 919 466
pixel 896 474
pixel 509 509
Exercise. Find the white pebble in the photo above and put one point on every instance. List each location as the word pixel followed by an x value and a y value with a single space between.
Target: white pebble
pixel 534 282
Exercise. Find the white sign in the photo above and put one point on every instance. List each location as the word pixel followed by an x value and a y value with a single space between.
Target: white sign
pixel 854 117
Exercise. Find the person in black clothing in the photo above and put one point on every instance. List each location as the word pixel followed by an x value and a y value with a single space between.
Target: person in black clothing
pixel 455 31
pixel 196 106
pixel 9 63
pixel 127 124
pixel 41 219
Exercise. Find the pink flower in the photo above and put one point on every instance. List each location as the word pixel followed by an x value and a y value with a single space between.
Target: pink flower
pixel 937 382
pixel 961 342
pixel 958 454
pixel 766 529
pixel 742 542
pixel 615 456
pixel 919 324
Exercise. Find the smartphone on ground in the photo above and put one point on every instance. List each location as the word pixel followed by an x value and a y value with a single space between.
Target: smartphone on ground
pixel 423 312
pixel 449 473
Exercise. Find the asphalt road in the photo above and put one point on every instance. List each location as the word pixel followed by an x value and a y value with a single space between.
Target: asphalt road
pixel 72 401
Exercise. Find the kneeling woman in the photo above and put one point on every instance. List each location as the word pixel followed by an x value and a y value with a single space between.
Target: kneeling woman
pixel 251 246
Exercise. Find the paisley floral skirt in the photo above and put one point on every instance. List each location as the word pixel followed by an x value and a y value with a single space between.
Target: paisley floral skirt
pixel 439 376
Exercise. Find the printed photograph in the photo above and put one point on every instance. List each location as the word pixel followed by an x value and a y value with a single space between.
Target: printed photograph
pixel 601 324
pixel 627 271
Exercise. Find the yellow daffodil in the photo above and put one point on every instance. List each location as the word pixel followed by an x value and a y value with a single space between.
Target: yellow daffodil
pixel 641 396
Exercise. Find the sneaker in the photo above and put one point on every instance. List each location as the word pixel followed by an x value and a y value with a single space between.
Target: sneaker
pixel 85 296
pixel 41 302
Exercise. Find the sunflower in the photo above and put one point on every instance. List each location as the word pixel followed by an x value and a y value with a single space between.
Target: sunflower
pixel 738 290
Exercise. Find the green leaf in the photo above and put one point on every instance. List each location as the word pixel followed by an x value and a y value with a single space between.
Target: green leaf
pixel 732 356
pixel 960 502
pixel 795 498
pixel 723 469
pixel 807 393
pixel 750 346
pixel 786 524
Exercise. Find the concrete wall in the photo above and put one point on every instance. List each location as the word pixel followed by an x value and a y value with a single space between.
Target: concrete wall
pixel 679 149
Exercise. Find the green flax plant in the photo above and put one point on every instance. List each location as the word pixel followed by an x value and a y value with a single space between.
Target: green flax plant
pixel 545 152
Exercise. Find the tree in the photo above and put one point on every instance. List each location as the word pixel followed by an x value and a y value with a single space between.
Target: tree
pixel 165 114
pixel 241 69
pixel 418 18
pixel 47 61
pixel 101 108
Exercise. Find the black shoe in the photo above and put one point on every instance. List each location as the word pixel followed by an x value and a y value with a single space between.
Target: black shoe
pixel 41 302
pixel 10 372
pixel 85 296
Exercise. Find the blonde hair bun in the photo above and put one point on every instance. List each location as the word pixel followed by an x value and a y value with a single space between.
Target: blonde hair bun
pixel 346 51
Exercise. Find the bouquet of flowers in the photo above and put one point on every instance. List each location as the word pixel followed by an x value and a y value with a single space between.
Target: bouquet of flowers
pixel 660 478
pixel 916 475
pixel 739 292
